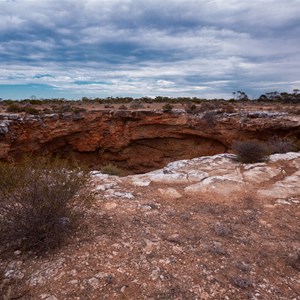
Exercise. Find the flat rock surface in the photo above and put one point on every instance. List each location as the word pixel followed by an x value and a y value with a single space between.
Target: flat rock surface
pixel 206 228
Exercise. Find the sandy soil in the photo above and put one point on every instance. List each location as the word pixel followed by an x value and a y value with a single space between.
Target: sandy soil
pixel 154 247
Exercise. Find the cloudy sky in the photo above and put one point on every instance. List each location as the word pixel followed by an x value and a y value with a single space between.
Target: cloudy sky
pixel 101 48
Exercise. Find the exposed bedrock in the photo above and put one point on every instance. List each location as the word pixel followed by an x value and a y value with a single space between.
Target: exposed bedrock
pixel 138 141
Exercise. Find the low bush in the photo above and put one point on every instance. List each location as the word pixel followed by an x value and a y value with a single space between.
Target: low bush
pixel 167 107
pixel 123 107
pixel 14 108
pixel 111 169
pixel 210 118
pixel 78 110
pixel 136 105
pixel 250 151
pixel 37 200
pixel 281 145
pixel 31 110
pixel 190 108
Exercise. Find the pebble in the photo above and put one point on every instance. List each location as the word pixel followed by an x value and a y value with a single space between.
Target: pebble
pixel 94 282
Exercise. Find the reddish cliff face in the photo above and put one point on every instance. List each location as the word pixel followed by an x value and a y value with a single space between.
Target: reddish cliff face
pixel 138 141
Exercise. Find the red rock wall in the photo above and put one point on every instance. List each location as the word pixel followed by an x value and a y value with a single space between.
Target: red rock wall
pixel 135 140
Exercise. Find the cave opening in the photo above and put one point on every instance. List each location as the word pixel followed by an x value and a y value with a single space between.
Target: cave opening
pixel 141 155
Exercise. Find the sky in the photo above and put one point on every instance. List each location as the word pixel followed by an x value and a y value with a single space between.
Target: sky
pixel 135 48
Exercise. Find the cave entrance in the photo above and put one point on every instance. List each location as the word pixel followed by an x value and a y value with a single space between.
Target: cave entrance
pixel 144 155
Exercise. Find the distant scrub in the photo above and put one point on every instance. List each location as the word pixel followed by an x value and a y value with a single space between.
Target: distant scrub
pixel 167 107
pixel 37 199
pixel 15 108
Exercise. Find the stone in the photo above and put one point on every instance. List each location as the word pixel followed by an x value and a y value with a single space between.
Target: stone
pixel 175 178
pixel 170 193
pixel 116 194
pixel 259 174
pixel 140 180
pixel 288 187
pixel 284 156
pixel 222 185
pixel 94 283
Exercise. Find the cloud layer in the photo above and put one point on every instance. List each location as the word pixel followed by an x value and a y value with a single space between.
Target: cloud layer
pixel 136 48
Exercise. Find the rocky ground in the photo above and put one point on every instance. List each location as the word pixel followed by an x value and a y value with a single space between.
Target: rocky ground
pixel 206 228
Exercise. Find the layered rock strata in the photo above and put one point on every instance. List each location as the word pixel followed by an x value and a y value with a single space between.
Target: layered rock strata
pixel 138 141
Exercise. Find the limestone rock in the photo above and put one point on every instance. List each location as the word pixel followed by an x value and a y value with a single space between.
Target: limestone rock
pixel 170 193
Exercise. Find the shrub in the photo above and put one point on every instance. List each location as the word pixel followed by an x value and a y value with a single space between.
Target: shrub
pixel 294 259
pixel 242 282
pixel 111 169
pixel 190 108
pixel 228 108
pixel 36 102
pixel 31 110
pixel 14 108
pixel 210 118
pixel 136 105
pixel 78 110
pixel 36 203
pixel 222 229
pixel 281 145
pixel 123 107
pixel 250 151
pixel 167 107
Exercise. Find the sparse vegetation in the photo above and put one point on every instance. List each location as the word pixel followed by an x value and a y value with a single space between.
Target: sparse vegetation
pixel 36 203
pixel 241 282
pixel 136 105
pixel 210 118
pixel 222 229
pixel 111 169
pixel 294 260
pixel 14 108
pixel 281 145
pixel 250 151
pixel 167 107
pixel 31 110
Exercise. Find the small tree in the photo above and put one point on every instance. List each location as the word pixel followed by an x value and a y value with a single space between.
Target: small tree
pixel 241 96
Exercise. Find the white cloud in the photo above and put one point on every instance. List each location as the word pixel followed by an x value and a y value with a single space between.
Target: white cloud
pixel 146 47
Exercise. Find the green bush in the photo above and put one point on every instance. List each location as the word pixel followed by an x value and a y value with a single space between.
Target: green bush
pixel 250 151
pixel 111 169
pixel 37 199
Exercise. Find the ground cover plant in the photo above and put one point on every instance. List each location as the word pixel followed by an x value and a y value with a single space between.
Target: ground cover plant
pixel 37 203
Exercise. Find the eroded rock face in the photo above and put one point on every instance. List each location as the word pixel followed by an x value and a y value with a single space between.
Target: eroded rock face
pixel 138 141
pixel 220 175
